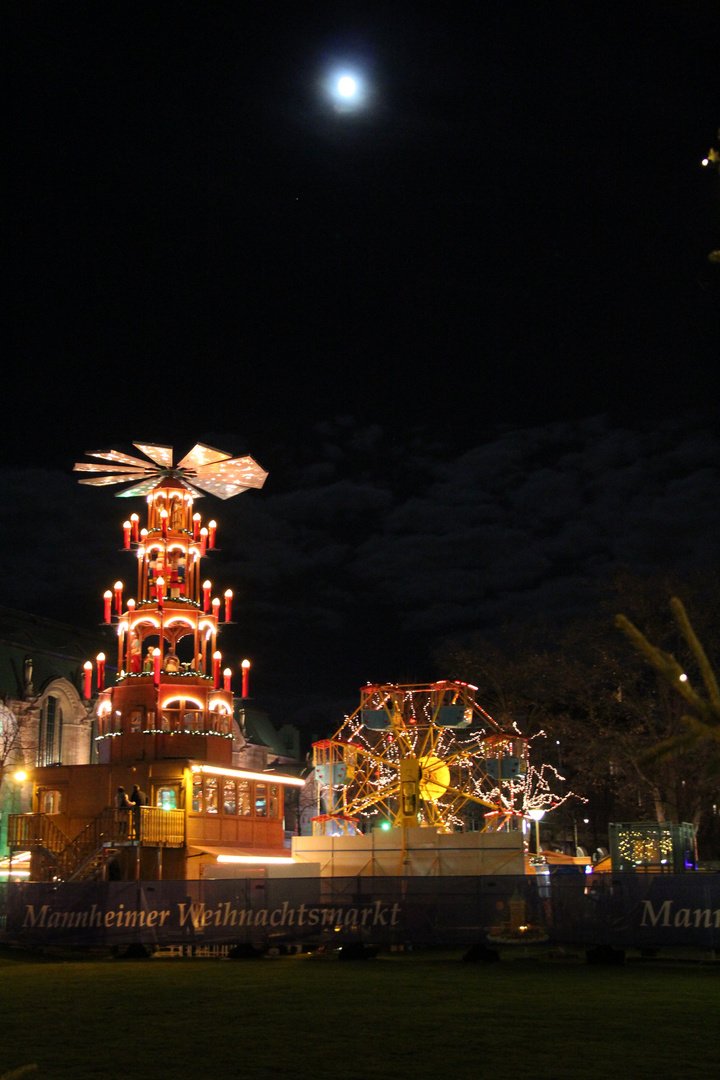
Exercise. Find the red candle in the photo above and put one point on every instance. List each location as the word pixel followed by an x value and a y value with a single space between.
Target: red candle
pixel 135 523
pixel 217 657
pixel 203 540
pixel 227 676
pixel 156 666
pixel 228 604
pixel 164 522
pixel 126 533
pixel 118 597
pixel 160 588
pixel 196 526
pixel 216 606
pixel 101 671
pixel 245 677
pixel 212 526
pixel 87 667
pixel 207 586
pixel 130 635
pixel 107 596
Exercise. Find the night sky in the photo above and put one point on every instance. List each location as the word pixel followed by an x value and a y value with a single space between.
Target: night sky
pixel 469 328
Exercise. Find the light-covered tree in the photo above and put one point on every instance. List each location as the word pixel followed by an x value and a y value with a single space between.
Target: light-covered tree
pixel 603 708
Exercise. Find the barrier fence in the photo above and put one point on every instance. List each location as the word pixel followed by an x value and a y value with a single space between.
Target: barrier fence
pixel 619 910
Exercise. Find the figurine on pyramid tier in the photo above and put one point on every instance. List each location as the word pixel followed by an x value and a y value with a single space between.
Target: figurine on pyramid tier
pixel 171 698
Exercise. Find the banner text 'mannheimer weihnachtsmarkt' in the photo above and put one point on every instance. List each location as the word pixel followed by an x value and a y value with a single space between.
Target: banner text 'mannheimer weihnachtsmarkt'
pixel 639 910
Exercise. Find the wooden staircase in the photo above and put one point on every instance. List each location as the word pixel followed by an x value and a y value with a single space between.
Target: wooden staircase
pixel 81 858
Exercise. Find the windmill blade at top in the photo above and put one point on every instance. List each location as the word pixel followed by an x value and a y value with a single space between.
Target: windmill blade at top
pixel 227 478
pixel 161 455
pixel 116 455
pixel 82 467
pixel 103 481
pixel 201 455
pixel 215 471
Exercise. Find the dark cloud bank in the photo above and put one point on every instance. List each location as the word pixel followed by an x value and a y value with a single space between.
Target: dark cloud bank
pixel 366 548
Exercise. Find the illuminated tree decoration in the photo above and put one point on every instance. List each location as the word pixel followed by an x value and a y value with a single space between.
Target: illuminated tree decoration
pixel 534 789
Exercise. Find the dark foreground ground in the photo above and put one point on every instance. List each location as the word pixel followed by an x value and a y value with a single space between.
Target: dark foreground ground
pixel 425 1015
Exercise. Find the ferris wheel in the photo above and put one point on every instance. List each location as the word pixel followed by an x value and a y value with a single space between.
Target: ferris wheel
pixel 416 755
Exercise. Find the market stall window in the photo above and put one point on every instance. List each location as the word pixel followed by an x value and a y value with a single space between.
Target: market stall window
pixel 244 793
pixel 211 795
pixel 229 799
pixel 51 802
pixel 197 795
pixel 166 798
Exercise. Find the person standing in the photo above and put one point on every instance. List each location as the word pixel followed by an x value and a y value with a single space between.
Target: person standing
pixel 122 805
pixel 138 798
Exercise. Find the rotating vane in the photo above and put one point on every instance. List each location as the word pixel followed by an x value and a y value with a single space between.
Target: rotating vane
pixel 204 467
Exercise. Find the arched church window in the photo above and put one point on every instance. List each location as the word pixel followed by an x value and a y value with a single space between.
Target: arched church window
pixel 50 734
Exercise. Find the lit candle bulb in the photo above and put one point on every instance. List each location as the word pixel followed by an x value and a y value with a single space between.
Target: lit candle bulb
pixel 212 526
pixel 207 586
pixel 118 597
pixel 227 676
pixel 101 671
pixel 122 627
pixel 87 667
pixel 107 597
pixel 196 526
pixel 216 658
pixel 245 677
pixel 228 604
pixel 135 524
pixel 126 534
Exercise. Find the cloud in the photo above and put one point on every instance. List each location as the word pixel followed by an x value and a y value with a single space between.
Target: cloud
pixel 366 547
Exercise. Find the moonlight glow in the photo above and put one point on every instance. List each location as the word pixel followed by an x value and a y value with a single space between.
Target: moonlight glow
pixel 347 90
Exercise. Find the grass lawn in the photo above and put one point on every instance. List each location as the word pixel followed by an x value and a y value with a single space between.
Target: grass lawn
pixel 423 1016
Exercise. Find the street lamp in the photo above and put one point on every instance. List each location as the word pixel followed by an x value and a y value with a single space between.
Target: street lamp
pixel 537 814
pixel 19 777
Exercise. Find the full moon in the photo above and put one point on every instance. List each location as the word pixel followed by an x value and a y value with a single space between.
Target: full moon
pixel 347 87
